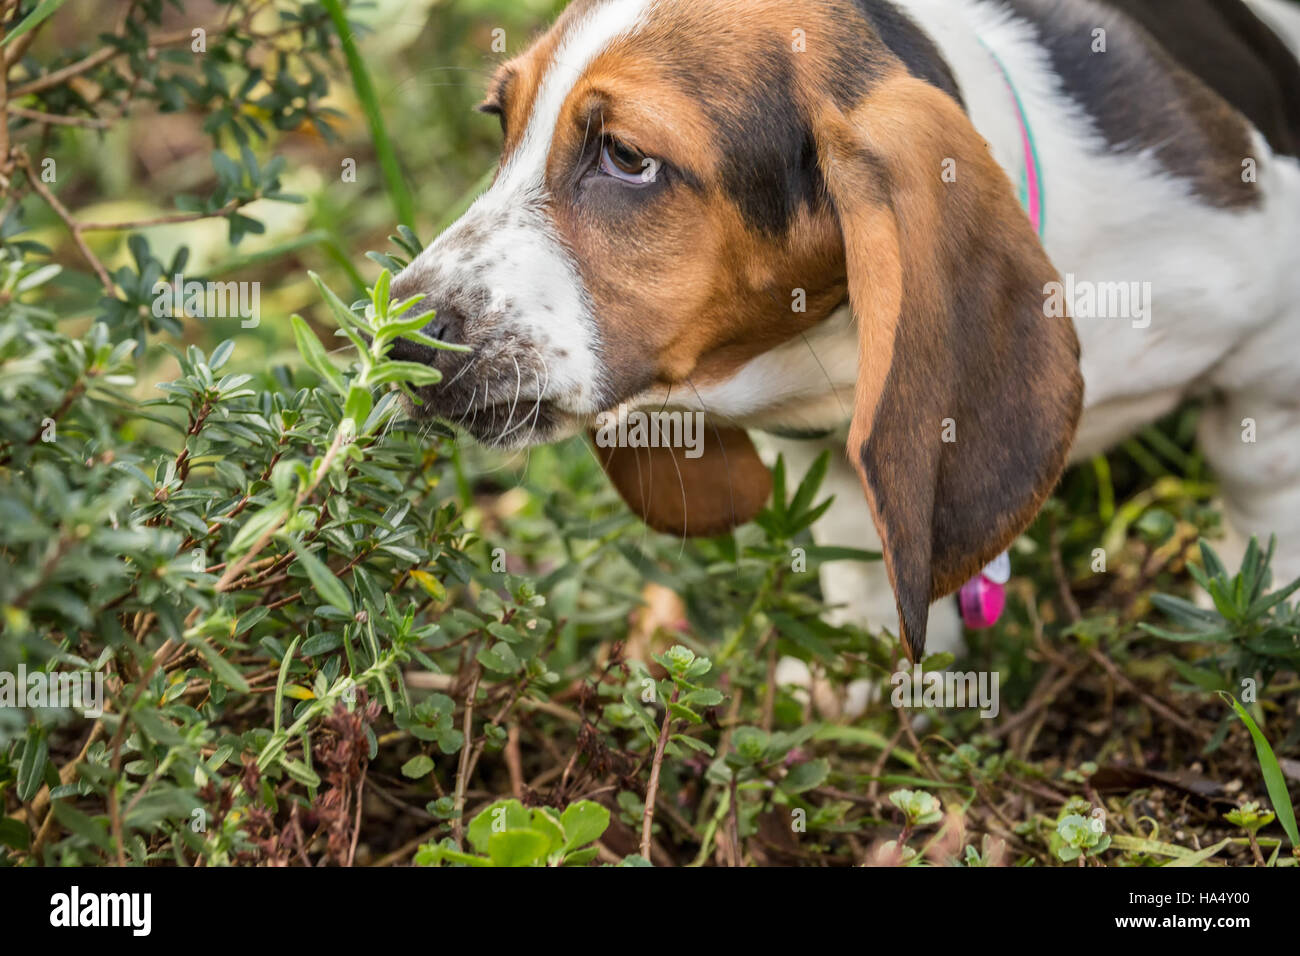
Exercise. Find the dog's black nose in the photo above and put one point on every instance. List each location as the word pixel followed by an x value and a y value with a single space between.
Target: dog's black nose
pixel 404 350
pixel 446 324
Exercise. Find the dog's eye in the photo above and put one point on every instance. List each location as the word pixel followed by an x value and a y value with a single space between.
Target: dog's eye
pixel 626 164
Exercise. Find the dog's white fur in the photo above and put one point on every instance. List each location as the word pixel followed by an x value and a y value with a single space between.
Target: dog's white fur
pixel 1225 294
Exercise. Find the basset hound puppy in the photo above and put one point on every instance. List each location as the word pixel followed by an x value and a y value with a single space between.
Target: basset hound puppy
pixel 967 241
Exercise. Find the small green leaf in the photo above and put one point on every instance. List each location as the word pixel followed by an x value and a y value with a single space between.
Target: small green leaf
pixel 313 353
pixel 225 671
pixel 583 822
pixel 14 834
pixel 412 373
pixel 545 822
pixel 805 776
pixel 342 314
pixel 417 767
pixel 358 404
pixel 31 769
pixel 518 848
pixel 327 585
pixel 300 772
pixel 684 713
pixel 257 525
pixel 94 829
pixel 704 697
pixel 285 662
pixel 496 818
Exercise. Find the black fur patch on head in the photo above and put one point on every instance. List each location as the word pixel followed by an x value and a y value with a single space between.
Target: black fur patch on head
pixel 910 44
pixel 770 167
pixel 769 164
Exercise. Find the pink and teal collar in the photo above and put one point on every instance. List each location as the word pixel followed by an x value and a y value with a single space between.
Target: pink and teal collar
pixel 1031 180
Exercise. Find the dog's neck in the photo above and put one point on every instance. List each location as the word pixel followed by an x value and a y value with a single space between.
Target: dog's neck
pixel 987 50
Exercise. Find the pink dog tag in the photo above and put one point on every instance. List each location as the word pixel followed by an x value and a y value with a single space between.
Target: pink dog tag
pixel 983 597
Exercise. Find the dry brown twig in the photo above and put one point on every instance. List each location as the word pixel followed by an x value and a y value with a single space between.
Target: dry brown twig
pixel 462 773
pixel 652 789
pixel 60 210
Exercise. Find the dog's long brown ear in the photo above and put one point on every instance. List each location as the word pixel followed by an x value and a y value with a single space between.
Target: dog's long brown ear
pixel 968 394
pixel 722 488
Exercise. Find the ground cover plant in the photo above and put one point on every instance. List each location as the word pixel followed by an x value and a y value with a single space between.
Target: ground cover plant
pixel 327 636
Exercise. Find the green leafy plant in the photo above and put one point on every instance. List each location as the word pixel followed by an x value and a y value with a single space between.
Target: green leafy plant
pixel 1252 818
pixel 202 560
pixel 990 853
pixel 920 809
pixel 506 833
pixel 1251 629
pixel 1250 632
pixel 1079 838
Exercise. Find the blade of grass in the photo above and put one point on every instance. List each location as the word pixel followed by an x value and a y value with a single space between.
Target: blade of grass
pixel 1144 459
pixel 866 737
pixel 400 195
pixel 1105 489
pixel 280 680
pixel 34 19
pixel 1272 770
pixel 1200 856
pixel 1168 450
pixel 1132 844
pixel 903 780
pixel 334 251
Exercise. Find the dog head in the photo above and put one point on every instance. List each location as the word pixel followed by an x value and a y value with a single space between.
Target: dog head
pixel 672 171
